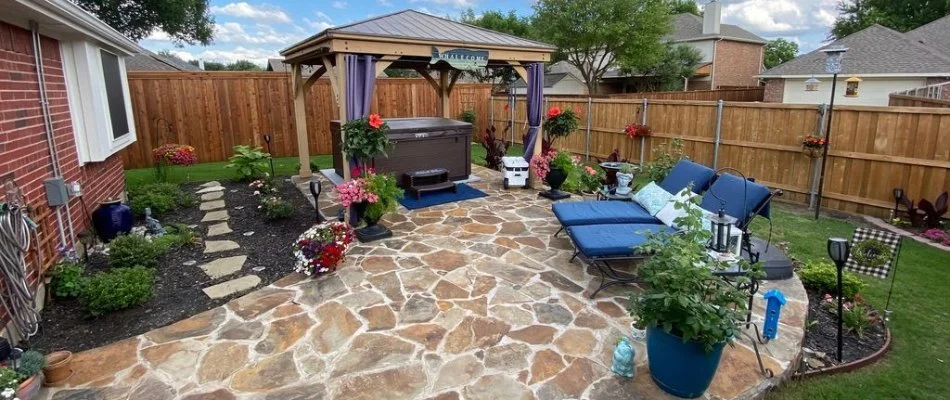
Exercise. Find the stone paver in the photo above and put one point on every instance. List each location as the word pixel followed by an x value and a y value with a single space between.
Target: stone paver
pixel 215 216
pixel 217 246
pixel 470 300
pixel 210 184
pixel 233 286
pixel 211 205
pixel 212 196
pixel 210 189
pixel 224 266
pixel 219 229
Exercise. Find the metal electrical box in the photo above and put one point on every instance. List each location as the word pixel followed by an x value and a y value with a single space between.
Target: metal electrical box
pixel 56 193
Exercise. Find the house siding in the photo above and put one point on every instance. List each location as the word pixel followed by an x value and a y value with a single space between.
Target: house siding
pixel 774 90
pixel 24 153
pixel 737 64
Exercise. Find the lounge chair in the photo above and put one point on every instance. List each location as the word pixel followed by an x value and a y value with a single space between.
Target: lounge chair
pixel 605 243
pixel 574 213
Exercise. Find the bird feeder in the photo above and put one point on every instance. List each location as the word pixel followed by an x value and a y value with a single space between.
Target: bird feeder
pixel 851 90
pixel 773 311
pixel 811 85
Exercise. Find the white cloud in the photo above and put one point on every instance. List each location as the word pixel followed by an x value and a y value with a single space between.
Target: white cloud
pixel 321 22
pixel 255 12
pixel 255 55
pixel 453 3
pixel 184 55
pixel 385 3
pixel 339 5
pixel 233 32
pixel 771 17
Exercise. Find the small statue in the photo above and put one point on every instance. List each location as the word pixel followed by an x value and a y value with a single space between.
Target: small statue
pixel 152 226
pixel 623 358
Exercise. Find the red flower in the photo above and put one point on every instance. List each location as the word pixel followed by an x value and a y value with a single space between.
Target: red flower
pixel 553 112
pixel 375 121
pixel 506 106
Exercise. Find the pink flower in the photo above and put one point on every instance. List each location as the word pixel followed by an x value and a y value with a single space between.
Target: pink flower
pixel 590 171
pixel 375 121
pixel 553 112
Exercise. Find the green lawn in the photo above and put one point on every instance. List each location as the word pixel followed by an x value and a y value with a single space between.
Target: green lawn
pixel 919 362
pixel 478 152
pixel 917 366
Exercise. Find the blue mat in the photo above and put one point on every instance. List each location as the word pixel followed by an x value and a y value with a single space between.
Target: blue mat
pixel 465 192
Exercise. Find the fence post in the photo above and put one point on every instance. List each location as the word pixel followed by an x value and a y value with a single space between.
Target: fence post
pixel 511 111
pixel 715 163
pixel 491 110
pixel 816 162
pixel 643 121
pixel 587 141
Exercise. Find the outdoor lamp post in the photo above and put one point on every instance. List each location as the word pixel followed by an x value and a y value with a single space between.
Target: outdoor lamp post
pixel 267 140
pixel 839 249
pixel 833 67
pixel 898 195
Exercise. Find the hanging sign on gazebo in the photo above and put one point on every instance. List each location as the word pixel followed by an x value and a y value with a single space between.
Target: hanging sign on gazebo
pixel 463 59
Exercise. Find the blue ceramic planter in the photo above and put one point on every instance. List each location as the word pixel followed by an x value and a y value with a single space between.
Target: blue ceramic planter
pixel 681 369
pixel 111 219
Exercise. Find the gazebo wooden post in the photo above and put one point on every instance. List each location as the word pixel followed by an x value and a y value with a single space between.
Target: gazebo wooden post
pixel 340 70
pixel 444 95
pixel 300 89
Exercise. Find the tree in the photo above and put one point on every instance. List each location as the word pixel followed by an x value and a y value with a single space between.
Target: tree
pixel 185 21
pixel 210 65
pixel 244 65
pixel 595 35
pixel 684 6
pixel 678 62
pixel 779 51
pixel 498 21
pixel 904 15
pixel 401 73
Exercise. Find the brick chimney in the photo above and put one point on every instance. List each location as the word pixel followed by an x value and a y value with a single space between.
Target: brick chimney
pixel 711 18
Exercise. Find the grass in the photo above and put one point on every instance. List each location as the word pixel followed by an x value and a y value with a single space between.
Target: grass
pixel 916 367
pixel 478 152
pixel 919 361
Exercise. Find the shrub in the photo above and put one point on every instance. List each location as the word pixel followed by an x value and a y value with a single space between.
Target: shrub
pixel 160 197
pixel 9 379
pixel 858 319
pixel 117 289
pixel 275 207
pixel 176 236
pixel 467 116
pixel 128 251
pixel 30 363
pixel 66 279
pixel 667 155
pixel 495 148
pixel 250 163
pixel 823 277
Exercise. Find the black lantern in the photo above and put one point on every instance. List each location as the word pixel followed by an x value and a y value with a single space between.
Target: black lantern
pixel 898 195
pixel 839 250
pixel 721 226
pixel 267 140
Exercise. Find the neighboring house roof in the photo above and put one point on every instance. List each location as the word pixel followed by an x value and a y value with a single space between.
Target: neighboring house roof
pixel 549 80
pixel 276 65
pixel 688 27
pixel 149 61
pixel 411 24
pixel 65 17
pixel 935 35
pixel 875 50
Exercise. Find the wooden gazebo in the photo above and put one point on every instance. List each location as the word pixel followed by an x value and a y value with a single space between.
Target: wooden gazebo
pixel 406 39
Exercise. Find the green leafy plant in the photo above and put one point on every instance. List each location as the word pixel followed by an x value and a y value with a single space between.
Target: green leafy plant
pixel 30 363
pixel 559 123
pixel 250 163
pixel 9 379
pixel 565 161
pixel 591 178
pixel 858 319
pixel 275 208
pixel 117 289
pixel 683 296
pixel 176 236
pixel 384 187
pixel 468 116
pixel 365 138
pixel 65 279
pixel 823 277
pixel 665 157
pixel 626 168
pixel 128 251
pixel 159 197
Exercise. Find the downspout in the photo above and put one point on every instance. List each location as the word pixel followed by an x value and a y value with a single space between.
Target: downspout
pixel 712 74
pixel 50 136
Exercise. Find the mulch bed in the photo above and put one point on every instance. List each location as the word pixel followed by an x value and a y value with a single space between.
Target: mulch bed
pixel 178 287
pixel 821 336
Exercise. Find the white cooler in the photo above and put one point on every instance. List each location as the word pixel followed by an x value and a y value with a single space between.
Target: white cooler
pixel 516 171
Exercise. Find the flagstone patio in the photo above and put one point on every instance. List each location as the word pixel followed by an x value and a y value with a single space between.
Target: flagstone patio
pixel 470 300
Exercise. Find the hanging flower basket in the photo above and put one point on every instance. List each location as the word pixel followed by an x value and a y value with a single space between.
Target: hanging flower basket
pixel 812 146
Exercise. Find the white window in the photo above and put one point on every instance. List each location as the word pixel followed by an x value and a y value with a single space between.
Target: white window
pixel 99 103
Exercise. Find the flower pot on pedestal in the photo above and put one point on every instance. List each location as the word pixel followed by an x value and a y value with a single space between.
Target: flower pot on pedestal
pixel 372 230
pixel 555 179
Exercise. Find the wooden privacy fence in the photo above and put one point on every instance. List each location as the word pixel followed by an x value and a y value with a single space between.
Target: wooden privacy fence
pixel 736 94
pixel 899 100
pixel 873 149
pixel 214 111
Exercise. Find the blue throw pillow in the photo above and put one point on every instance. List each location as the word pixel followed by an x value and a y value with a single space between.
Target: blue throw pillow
pixel 652 197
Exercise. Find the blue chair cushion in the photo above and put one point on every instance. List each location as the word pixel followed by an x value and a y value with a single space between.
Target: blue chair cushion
pixel 731 189
pixel 686 172
pixel 652 198
pixel 573 213
pixel 618 240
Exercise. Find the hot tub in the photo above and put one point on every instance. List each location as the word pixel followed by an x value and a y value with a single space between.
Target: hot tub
pixel 420 144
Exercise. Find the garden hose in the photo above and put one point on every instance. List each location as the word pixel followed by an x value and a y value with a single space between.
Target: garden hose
pixel 16 234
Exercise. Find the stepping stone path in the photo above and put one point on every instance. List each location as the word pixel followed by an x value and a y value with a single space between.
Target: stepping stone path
pixel 216 217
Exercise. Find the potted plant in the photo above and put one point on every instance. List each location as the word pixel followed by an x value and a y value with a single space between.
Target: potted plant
pixel 591 180
pixel 364 139
pixel 554 167
pixel 813 145
pixel 689 313
pixel 321 248
pixel 624 178
pixel 57 368
pixel 558 124
pixel 29 370
pixel 372 195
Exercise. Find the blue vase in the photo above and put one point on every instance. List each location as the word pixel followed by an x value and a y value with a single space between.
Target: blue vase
pixel 111 219
pixel 681 369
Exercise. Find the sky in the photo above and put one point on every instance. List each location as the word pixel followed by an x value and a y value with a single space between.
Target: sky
pixel 256 30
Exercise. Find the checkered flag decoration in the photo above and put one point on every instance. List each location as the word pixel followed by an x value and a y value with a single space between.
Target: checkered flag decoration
pixel 890 240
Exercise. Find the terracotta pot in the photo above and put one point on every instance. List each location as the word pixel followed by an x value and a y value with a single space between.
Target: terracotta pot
pixel 812 152
pixel 57 368
pixel 30 387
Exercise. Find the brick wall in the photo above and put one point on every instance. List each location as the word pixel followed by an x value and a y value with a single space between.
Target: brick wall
pixel 24 153
pixel 737 64
pixel 774 90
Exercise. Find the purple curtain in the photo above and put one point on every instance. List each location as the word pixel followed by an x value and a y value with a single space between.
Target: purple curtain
pixel 360 79
pixel 535 101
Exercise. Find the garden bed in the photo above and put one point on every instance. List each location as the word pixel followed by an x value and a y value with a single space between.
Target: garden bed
pixel 821 338
pixel 178 293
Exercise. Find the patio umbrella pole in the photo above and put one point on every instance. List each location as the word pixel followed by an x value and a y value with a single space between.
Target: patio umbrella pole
pixel 824 152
